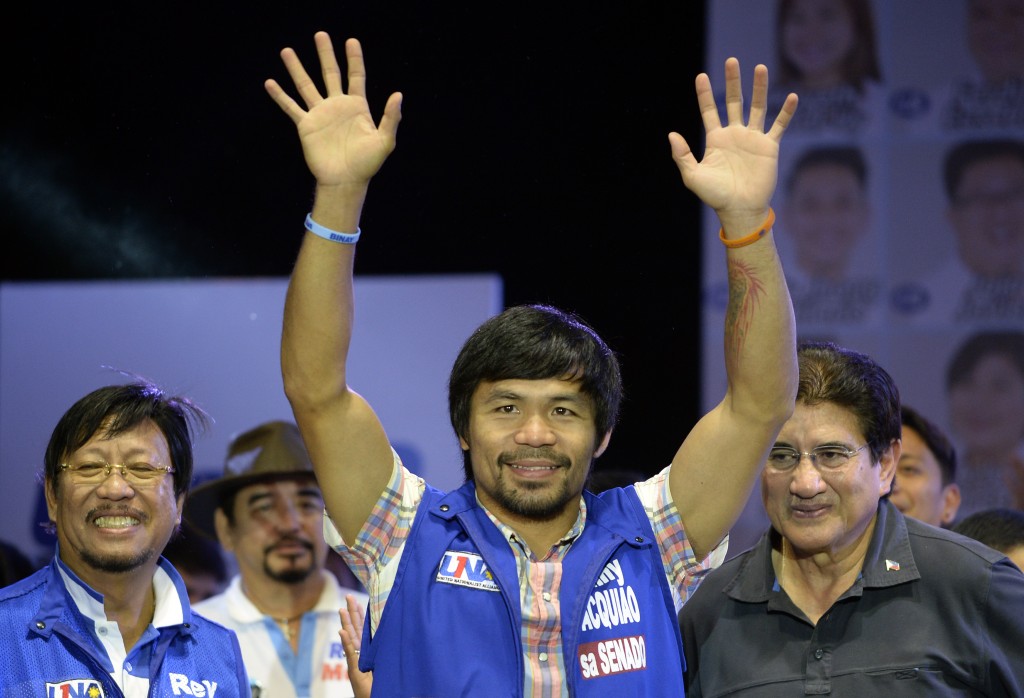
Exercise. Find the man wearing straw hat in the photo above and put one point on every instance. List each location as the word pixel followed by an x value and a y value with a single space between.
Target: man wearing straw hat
pixel 267 511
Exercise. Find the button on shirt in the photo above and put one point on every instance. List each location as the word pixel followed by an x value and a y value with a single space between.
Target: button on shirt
pixel 130 670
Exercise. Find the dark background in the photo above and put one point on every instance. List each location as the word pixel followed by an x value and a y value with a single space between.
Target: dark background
pixel 138 142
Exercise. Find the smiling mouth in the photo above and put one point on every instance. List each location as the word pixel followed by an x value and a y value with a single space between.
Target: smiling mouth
pixel 809 512
pixel 115 521
pixel 535 472
pixel 534 460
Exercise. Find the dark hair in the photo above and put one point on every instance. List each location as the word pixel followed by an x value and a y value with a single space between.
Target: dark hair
pixel 852 380
pixel 859 66
pixel 535 342
pixel 1002 529
pixel 849 157
pixel 963 156
pixel 936 441
pixel 1006 343
pixel 115 409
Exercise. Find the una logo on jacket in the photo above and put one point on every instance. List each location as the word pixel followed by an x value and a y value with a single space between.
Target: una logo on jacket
pixel 75 688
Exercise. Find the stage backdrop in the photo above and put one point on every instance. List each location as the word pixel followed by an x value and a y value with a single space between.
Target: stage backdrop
pixel 218 342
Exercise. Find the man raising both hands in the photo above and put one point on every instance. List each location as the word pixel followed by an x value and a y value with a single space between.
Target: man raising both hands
pixel 498 564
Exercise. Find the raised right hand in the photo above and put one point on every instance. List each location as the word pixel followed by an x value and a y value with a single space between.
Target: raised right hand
pixel 341 143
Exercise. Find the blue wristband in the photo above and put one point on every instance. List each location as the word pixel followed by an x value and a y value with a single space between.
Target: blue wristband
pixel 332 235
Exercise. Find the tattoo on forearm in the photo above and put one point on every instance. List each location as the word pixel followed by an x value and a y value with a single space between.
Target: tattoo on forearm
pixel 745 293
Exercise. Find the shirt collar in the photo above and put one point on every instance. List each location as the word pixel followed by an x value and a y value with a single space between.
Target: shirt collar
pixel 889 560
pixel 242 610
pixel 169 608
pixel 513 538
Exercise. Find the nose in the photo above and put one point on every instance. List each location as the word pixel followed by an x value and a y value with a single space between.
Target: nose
pixel 286 517
pixel 115 486
pixel 535 431
pixel 805 480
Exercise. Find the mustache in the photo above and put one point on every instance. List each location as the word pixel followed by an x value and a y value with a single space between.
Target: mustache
pixel 289 540
pixel 813 503
pixel 559 459
pixel 108 510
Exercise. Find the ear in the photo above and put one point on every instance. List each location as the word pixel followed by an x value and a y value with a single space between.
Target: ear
pixel 51 500
pixel 181 508
pixel 220 523
pixel 603 445
pixel 950 502
pixel 463 444
pixel 887 466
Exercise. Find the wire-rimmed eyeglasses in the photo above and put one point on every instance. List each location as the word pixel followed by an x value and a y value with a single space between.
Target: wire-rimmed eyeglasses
pixel 138 474
pixel 824 457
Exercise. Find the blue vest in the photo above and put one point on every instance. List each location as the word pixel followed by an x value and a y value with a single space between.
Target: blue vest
pixel 48 648
pixel 451 625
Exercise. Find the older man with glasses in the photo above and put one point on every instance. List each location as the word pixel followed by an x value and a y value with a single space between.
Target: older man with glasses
pixel 844 595
pixel 108 616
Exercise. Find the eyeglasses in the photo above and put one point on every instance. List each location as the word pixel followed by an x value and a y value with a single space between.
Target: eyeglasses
pixel 136 474
pixel 828 457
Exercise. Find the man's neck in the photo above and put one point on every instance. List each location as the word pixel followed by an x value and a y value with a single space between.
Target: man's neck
pixel 128 600
pixel 539 535
pixel 815 582
pixel 283 600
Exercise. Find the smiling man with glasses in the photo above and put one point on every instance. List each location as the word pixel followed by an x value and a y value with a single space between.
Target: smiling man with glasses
pixel 844 595
pixel 108 616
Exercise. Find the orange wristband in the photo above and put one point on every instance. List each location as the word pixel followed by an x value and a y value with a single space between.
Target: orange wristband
pixel 753 237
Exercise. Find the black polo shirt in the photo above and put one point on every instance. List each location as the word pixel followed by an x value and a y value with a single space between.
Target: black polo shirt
pixel 932 614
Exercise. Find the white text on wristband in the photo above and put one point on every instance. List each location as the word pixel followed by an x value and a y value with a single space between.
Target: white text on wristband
pixel 332 235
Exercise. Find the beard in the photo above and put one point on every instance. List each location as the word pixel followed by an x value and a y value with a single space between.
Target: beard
pixel 536 501
pixel 296 569
pixel 542 507
pixel 118 564
pixel 292 575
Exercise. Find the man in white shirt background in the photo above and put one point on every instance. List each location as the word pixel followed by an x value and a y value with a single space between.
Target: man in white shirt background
pixel 283 604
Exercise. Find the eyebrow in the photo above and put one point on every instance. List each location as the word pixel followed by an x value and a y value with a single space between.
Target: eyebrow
pixel 304 493
pixel 498 395
pixel 501 395
pixel 128 455
pixel 256 497
pixel 833 442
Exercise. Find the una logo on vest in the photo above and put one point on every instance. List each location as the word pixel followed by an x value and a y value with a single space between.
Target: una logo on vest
pixel 75 688
pixel 465 569
pixel 184 686
pixel 612 604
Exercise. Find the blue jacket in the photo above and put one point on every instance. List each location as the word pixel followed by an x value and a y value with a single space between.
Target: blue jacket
pixel 451 624
pixel 48 648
